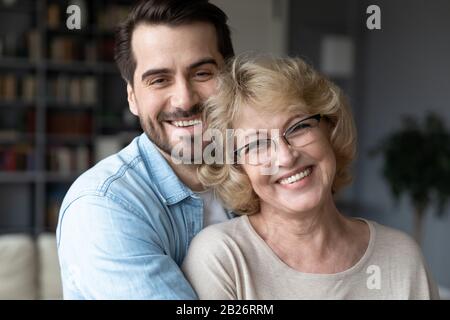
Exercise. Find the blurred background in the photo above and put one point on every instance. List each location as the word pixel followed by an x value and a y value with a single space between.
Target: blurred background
pixel 63 107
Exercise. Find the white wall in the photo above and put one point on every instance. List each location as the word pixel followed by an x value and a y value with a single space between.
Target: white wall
pixel 257 25
pixel 406 71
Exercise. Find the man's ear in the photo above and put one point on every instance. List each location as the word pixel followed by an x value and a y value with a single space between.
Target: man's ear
pixel 132 104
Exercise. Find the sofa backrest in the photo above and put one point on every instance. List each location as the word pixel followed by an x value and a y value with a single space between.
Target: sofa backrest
pixel 29 269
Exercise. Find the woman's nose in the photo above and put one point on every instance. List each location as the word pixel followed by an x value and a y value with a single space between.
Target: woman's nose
pixel 285 155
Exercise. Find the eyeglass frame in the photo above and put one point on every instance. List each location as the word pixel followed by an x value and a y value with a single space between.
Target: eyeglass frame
pixel 318 117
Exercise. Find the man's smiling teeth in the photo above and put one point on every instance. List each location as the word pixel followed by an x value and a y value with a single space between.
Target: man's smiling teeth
pixel 186 123
pixel 296 177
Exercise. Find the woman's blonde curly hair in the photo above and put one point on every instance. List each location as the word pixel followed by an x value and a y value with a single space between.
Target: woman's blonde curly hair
pixel 274 85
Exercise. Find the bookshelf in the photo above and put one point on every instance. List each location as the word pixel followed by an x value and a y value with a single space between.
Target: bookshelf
pixel 60 95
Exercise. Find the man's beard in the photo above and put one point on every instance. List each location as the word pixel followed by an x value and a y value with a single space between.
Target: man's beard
pixel 158 136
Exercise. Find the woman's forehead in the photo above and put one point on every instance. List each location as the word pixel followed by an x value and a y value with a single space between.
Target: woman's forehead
pixel 252 117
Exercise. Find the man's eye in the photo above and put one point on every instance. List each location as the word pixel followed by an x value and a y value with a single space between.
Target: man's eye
pixel 157 81
pixel 203 75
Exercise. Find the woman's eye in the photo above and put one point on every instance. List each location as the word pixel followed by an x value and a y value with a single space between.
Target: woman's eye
pixel 259 145
pixel 302 126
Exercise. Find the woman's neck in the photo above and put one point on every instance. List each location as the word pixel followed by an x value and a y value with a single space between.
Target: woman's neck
pixel 319 241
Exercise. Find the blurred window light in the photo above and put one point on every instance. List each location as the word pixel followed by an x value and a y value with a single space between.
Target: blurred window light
pixel 337 56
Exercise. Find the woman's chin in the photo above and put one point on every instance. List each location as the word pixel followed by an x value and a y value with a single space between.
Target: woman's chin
pixel 298 201
pixel 298 207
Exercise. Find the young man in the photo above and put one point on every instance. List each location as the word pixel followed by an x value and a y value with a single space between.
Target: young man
pixel 125 225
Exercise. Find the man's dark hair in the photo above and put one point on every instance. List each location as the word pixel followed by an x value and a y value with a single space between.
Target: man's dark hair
pixel 172 13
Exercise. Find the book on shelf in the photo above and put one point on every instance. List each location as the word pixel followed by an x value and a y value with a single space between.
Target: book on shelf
pixel 59 88
pixel 34 45
pixel 69 123
pixel 8 87
pixel 53 16
pixel 67 49
pixel 17 158
pixel 63 159
pixel 17 124
pixel 111 16
pixel 29 88
pixel 75 95
pixel 89 90
pixel 63 49
pixel 91 51
pixel 21 44
pixel 82 159
pixel 72 90
pixel 106 19
pixel 68 160
pixel 30 121
pixel 17 88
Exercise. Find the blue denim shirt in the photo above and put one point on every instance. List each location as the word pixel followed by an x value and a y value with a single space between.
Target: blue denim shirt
pixel 125 226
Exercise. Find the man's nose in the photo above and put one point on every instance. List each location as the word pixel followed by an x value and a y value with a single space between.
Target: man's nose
pixel 184 96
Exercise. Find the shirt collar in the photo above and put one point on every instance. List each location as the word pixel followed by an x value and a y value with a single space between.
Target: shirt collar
pixel 162 175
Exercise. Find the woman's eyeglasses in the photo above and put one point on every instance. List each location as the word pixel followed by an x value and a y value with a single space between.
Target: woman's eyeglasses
pixel 262 151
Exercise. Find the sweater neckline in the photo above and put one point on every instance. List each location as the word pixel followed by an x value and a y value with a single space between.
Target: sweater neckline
pixel 323 276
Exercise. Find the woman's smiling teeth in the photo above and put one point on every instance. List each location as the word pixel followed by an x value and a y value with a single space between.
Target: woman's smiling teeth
pixel 296 177
pixel 187 123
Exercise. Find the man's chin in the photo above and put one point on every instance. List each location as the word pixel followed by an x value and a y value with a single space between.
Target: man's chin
pixel 182 149
pixel 187 153
pixel 162 146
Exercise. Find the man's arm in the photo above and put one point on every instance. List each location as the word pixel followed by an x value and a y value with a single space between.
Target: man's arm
pixel 108 251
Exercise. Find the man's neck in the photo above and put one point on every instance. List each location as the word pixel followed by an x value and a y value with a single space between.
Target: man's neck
pixel 187 173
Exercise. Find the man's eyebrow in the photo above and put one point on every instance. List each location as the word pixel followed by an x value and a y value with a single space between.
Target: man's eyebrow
pixel 194 65
pixel 150 72
pixel 202 62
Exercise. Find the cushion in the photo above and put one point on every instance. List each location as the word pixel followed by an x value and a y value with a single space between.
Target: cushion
pixel 50 287
pixel 17 267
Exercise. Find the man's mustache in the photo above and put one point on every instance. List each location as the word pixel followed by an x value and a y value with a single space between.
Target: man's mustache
pixel 180 113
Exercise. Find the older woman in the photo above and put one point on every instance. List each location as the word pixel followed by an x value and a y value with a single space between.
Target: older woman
pixel 291 242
